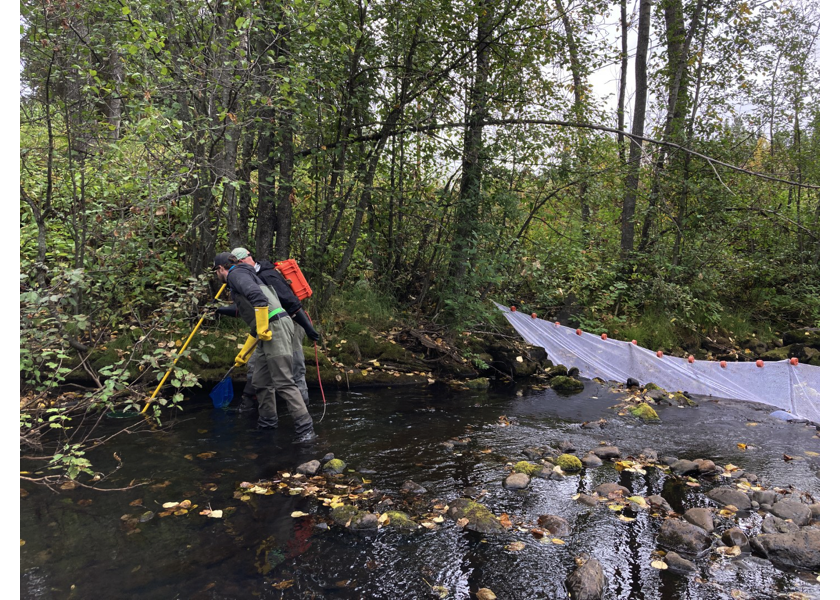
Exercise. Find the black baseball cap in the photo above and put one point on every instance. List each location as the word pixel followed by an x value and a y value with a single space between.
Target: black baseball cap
pixel 223 259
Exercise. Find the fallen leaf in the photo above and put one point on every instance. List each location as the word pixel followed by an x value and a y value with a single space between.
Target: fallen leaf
pixel 485 594
pixel 742 446
pixel 170 504
pixel 692 484
pixel 216 514
pixel 206 455
pixel 626 519
pixel 751 424
pixel 282 585
pixel 438 519
pixel 809 453
pixel 138 502
pixel 296 514
pixel 462 522
pixel 486 451
pixel 22 542
pixel 658 564
pixel 515 546
pixel 505 521
pixel 441 591
pixel 85 502
pixel 638 500
pixel 557 541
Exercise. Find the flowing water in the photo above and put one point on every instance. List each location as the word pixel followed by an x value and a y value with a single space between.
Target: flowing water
pixel 83 543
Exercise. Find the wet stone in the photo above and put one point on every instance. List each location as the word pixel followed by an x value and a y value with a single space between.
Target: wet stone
pixel 448 446
pixel 544 473
pixel 409 487
pixel 705 466
pixel 328 457
pixel 683 537
pixel 606 452
pixel 727 495
pixel 566 447
pixel 335 466
pixel 590 461
pixel 479 518
pixel 605 489
pixel 684 467
pixel 734 536
pixel 659 503
pixel 587 581
pixel 815 511
pixel 702 517
pixel 517 481
pixel 772 524
pixel 309 468
pixel 799 550
pixel 791 509
pixel 471 492
pixel 532 453
pixel 556 525
pixel 763 497
pixel 669 460
pixel 587 500
pixel 649 455
pixel 461 442
pixel 679 564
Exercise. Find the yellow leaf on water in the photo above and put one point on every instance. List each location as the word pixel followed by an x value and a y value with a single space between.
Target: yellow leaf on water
pixel 626 519
pixel 515 546
pixel 282 585
pixel 809 453
pixel 181 511
pixel 170 504
pixel 296 514
pixel 751 424
pixel 742 446
pixel 557 541
pixel 463 522
pixel 638 500
pixel 658 564
pixel 616 507
pixel 428 525
pixel 206 455
pixel 215 514
pixel 22 542
pixel 438 519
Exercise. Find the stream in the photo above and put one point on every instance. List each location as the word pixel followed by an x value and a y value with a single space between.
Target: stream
pixel 83 543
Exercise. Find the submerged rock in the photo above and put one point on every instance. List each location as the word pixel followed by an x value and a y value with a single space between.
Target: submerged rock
pixel 409 487
pixel 659 503
pixel 800 550
pixel 479 518
pixel 605 489
pixel 590 461
pixel 587 581
pixel 354 519
pixel 401 522
pixel 772 524
pixel 684 467
pixel 606 452
pixel 529 469
pixel 735 536
pixel 683 537
pixel 482 383
pixel 587 500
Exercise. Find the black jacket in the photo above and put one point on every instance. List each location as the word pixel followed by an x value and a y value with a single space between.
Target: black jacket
pixel 274 278
pixel 245 290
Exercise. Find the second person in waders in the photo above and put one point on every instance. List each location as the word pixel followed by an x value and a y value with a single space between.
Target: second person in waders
pixel 271 342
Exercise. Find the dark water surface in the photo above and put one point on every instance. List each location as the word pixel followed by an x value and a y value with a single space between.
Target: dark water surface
pixel 77 545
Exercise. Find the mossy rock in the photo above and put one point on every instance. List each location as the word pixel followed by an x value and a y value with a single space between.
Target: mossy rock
pixel 566 384
pixel 530 469
pixel 782 353
pixel 401 522
pixel 482 383
pixel 334 466
pixel 479 518
pixel 344 514
pixel 568 462
pixel 557 371
pixel 644 411
pixel 652 386
pixel 683 400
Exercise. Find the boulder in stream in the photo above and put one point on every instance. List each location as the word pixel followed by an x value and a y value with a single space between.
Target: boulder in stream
pixel 587 581
pixel 791 509
pixel 727 495
pixel 799 550
pixel 479 518
pixel 683 537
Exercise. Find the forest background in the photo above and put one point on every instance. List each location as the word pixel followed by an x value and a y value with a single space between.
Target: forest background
pixel 418 161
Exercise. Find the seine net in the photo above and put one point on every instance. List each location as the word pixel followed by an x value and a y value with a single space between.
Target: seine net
pixel 794 389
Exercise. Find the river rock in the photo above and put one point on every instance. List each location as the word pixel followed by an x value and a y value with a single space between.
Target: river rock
pixel 734 536
pixel 605 489
pixel 649 455
pixel 461 442
pixel 327 457
pixel 517 481
pixel 448 446
pixel 679 564
pixel 684 467
pixel 632 383
pixel 533 453
pixel 791 509
pixel 799 550
pixel 353 518
pixel 702 517
pixel 335 466
pixel 763 497
pixel 727 495
pixel 705 466
pixel 401 522
pixel 587 500
pixel 556 525
pixel 606 452
pixel 773 524
pixel 669 460
pixel 480 519
pixel 587 581
pixel 590 461
pixel 815 511
pixel 566 447
pixel 683 537
pixel 409 487
pixel 658 503
pixel 565 384
pixel 309 468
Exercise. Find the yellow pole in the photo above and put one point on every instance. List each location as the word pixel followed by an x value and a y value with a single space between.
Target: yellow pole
pixel 184 347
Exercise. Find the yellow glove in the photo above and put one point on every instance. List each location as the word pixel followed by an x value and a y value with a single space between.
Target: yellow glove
pixel 246 352
pixel 261 314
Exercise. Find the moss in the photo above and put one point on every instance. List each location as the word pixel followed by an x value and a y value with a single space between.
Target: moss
pixel 393 352
pixel 479 518
pixel 566 384
pixel 652 386
pixel 482 383
pixel 568 462
pixel 530 469
pixel 684 400
pixel 401 521
pixel 343 514
pixel 336 465
pixel 557 371
pixel 644 411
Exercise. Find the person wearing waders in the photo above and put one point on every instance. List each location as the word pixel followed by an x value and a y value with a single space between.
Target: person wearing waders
pixel 269 275
pixel 270 341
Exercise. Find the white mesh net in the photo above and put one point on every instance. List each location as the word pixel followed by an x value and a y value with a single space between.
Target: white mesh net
pixel 795 389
